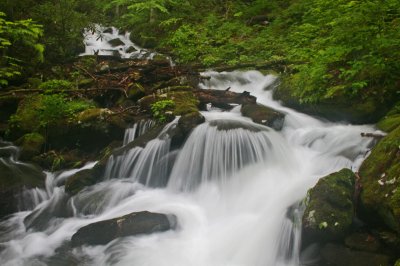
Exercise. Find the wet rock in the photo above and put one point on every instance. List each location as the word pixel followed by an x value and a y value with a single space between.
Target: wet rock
pixel 116 42
pixel 136 223
pixel 130 49
pixel 329 208
pixel 363 242
pixel 263 115
pixel 336 255
pixel 108 30
pixel 380 179
pixel 189 121
pixel 338 108
pixel 391 120
pixel 82 179
pixel 31 145
pixel 13 179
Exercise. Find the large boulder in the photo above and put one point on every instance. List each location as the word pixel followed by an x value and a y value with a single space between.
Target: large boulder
pixel 380 178
pixel 337 108
pixel 336 255
pixel 263 115
pixel 136 223
pixel 329 208
pixel 31 145
pixel 14 178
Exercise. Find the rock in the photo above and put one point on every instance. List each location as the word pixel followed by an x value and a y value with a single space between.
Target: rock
pixel 263 115
pixel 136 223
pixel 116 42
pixel 14 177
pixel 391 120
pixel 362 242
pixel 31 145
pixel 189 121
pixel 108 30
pixel 338 108
pixel 380 179
pixel 329 208
pixel 8 106
pixel 80 180
pixel 335 255
pixel 130 49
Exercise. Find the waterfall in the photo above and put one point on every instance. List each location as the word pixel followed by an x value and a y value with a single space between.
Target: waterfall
pixel 235 187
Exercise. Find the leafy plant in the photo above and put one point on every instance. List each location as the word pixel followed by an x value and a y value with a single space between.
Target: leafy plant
pixel 56 84
pixel 159 108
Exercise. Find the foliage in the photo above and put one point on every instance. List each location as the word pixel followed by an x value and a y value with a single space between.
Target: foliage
pixel 40 111
pixel 56 84
pixel 17 40
pixel 159 108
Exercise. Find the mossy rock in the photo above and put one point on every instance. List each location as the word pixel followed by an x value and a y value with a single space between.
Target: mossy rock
pixel 116 42
pixel 13 179
pixel 185 102
pixel 31 145
pixel 336 108
pixel 88 177
pixel 263 115
pixel 397 263
pixel 25 119
pixel 380 177
pixel 392 119
pixel 329 208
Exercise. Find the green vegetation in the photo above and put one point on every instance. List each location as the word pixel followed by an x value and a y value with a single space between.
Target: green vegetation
pixel 160 108
pixel 56 84
pixel 40 111
pixel 19 45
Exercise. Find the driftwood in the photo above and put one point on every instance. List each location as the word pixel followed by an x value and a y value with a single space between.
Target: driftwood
pixel 372 135
pixel 223 98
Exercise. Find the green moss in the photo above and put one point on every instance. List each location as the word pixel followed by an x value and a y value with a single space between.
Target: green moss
pixel 56 84
pixel 31 144
pixel 397 263
pixel 380 175
pixel 392 119
pixel 329 208
pixel 185 102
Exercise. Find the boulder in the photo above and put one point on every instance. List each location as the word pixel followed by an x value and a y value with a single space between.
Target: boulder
pixel 363 242
pixel 31 145
pixel 336 255
pixel 130 49
pixel 391 120
pixel 329 208
pixel 337 108
pixel 189 121
pixel 136 223
pixel 14 177
pixel 263 115
pixel 116 42
pixel 380 179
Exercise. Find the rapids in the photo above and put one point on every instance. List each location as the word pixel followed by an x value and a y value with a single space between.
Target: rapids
pixel 231 187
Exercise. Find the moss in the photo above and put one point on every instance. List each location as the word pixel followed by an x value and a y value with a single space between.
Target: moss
pixel 329 208
pixel 392 119
pixel 380 175
pixel 397 263
pixel 31 145
pixel 92 114
pixel 185 102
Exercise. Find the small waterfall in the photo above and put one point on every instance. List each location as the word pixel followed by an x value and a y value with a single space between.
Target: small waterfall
pixel 219 148
pixel 147 165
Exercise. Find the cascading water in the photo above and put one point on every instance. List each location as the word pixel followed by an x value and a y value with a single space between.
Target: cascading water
pixel 235 189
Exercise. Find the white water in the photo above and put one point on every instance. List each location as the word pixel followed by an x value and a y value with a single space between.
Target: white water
pixel 230 187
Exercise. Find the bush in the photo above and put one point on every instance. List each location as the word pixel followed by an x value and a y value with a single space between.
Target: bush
pixel 159 108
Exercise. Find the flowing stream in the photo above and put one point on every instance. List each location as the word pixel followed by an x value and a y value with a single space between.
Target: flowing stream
pixel 231 186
